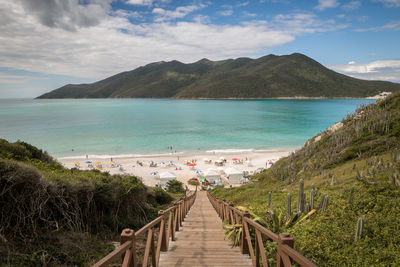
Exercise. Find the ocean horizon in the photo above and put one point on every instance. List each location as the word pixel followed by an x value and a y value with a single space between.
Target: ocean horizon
pixel 136 127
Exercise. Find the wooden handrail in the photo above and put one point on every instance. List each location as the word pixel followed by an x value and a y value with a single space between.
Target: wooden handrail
pixel 168 221
pixel 254 246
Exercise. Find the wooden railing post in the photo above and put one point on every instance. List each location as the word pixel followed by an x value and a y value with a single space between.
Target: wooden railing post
pixel 244 247
pixel 129 235
pixel 172 223
pixel 163 233
pixel 181 213
pixel 231 220
pixel 281 258
pixel 177 216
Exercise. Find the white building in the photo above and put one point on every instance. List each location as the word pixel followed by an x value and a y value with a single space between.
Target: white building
pixel 212 176
pixel 233 175
pixel 165 177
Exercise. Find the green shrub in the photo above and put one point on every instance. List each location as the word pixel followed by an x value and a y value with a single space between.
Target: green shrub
pixel 162 197
pixel 43 200
pixel 175 187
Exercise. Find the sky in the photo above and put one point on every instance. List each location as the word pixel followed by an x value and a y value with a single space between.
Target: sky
pixel 45 44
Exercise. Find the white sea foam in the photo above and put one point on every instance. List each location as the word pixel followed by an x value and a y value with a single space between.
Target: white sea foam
pixel 230 151
pixel 106 156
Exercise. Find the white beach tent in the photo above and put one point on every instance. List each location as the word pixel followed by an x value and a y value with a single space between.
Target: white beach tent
pixel 233 175
pixel 212 176
pixel 165 177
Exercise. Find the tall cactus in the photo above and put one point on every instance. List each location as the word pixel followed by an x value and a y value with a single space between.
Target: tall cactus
pixel 289 205
pixel 312 198
pixel 359 229
pixel 350 201
pixel 269 199
pixel 322 201
pixel 300 204
pixel 325 203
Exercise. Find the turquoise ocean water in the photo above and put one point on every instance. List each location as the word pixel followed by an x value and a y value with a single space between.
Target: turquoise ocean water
pixel 148 126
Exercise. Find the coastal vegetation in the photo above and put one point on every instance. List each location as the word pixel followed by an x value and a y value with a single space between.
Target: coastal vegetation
pixel 271 76
pixel 55 216
pixel 338 195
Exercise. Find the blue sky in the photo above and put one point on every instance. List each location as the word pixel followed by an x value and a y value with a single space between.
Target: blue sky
pixel 45 44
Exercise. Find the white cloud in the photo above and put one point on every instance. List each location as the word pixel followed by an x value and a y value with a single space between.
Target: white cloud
pixel 242 4
pixel 115 44
pixel 390 3
pixel 179 12
pixel 18 79
pixel 391 26
pixel 352 5
pixel 127 14
pixel 303 23
pixel 249 14
pixel 140 2
pixel 388 70
pixel 202 19
pixel 324 4
pixel 226 12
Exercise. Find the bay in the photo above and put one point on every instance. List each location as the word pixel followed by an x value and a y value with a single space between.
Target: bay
pixel 75 127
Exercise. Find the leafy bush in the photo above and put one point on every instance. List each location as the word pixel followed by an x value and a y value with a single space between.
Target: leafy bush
pixel 162 197
pixel 194 183
pixel 175 187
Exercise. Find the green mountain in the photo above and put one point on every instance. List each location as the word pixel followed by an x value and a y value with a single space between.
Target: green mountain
pixel 266 77
pixel 354 169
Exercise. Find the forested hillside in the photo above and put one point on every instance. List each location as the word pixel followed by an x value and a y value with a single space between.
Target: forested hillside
pixel 270 76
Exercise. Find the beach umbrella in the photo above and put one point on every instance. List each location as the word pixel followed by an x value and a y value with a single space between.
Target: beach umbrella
pixel 98 162
pixel 222 158
pixel 154 173
pixel 88 162
pixel 197 171
pixel 234 159
pixel 77 163
pixel 202 178
pixel 191 164
pixel 170 161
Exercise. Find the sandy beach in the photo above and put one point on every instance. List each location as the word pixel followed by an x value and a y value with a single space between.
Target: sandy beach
pixel 175 163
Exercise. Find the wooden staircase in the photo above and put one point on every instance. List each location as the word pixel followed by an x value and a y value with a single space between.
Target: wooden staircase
pixel 190 233
pixel 201 241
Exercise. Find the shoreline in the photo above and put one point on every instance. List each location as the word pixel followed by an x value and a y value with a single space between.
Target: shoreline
pixel 205 153
pixel 259 159
pixel 223 98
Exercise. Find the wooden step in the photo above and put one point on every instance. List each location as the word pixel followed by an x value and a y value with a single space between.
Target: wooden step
pixel 201 240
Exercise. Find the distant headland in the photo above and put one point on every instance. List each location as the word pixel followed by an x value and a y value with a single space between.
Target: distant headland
pixel 271 76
